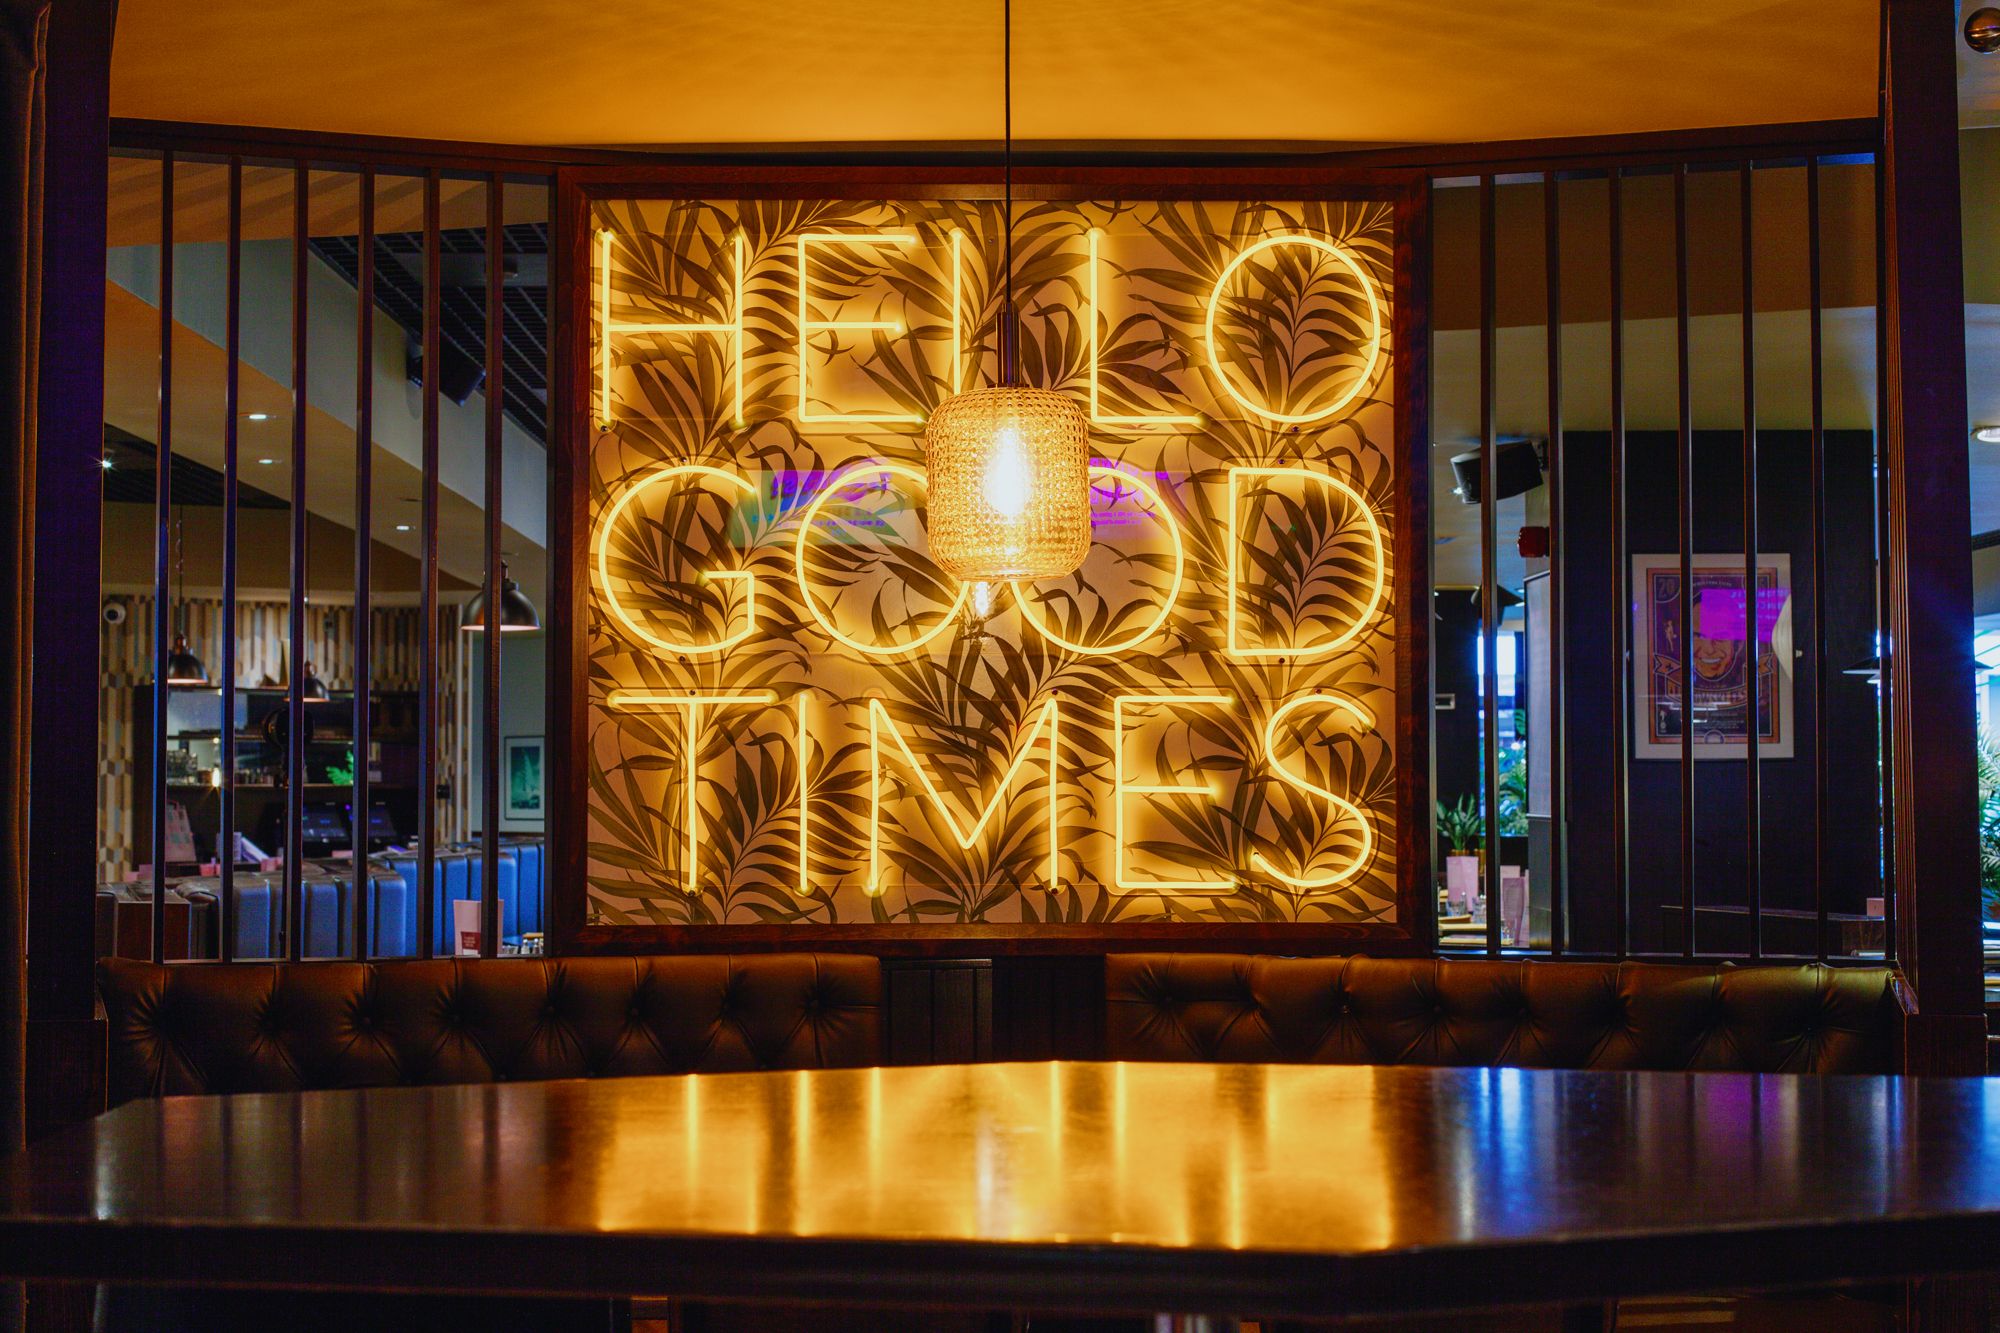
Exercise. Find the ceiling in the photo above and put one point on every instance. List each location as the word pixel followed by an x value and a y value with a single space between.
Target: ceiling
pixel 131 406
pixel 1215 72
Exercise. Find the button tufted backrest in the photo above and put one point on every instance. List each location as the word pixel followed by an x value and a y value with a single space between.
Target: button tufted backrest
pixel 1355 1010
pixel 254 1027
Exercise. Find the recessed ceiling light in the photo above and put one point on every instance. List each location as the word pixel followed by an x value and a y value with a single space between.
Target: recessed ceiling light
pixel 402 527
pixel 1987 434
pixel 256 416
pixel 267 461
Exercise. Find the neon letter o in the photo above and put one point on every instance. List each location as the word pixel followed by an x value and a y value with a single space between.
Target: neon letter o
pixel 825 622
pixel 1034 617
pixel 1374 334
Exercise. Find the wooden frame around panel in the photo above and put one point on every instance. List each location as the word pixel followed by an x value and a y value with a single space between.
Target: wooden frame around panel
pixel 570 437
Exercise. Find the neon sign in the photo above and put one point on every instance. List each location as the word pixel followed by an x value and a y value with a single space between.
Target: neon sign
pixel 1214 647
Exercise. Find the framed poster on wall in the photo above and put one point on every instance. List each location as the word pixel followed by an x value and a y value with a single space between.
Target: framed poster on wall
pixel 789 718
pixel 523 773
pixel 1721 653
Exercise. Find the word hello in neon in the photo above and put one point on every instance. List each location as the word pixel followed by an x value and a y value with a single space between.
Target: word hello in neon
pixel 808 243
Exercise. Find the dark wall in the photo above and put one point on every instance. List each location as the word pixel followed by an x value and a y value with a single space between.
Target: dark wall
pixel 1455 732
pixel 1787 823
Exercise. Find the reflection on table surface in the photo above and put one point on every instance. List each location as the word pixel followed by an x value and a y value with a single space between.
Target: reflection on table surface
pixel 1335 1159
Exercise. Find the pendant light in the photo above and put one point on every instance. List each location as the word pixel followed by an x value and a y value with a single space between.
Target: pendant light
pixel 1009 466
pixel 183 667
pixel 517 613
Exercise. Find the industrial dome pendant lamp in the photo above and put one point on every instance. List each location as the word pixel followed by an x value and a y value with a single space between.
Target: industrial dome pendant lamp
pixel 184 669
pixel 1009 466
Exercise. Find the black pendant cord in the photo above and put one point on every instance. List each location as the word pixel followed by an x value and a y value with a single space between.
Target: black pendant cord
pixel 1007 330
pixel 180 574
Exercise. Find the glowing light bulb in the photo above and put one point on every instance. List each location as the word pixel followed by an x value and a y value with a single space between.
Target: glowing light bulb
pixel 982 599
pixel 1007 483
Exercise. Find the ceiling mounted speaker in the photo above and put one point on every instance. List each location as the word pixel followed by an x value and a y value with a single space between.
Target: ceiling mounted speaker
pixel 1517 469
pixel 459 376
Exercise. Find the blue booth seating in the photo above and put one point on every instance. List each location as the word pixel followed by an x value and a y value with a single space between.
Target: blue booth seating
pixel 329 911
pixel 532 895
pixel 460 875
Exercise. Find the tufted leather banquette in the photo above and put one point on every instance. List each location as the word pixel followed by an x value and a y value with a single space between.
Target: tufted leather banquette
pixel 255 1027
pixel 1572 1015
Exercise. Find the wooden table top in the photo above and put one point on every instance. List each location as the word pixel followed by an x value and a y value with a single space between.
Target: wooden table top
pixel 1246 1189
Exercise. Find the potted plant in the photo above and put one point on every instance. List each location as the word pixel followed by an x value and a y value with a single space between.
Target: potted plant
pixel 1989 826
pixel 1464 830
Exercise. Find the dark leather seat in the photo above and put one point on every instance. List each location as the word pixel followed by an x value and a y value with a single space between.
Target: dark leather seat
pixel 1567 1015
pixel 264 1027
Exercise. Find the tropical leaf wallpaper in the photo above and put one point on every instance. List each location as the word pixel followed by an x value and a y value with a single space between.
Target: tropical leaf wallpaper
pixel 758 546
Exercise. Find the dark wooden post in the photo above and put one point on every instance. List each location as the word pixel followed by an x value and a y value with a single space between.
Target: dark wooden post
pixel 1929 616
pixel 65 1042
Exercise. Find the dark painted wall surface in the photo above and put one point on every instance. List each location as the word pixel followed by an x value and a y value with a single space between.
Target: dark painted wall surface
pixel 1849 830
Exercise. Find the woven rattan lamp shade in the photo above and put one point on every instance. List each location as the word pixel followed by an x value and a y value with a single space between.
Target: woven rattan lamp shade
pixel 1009 484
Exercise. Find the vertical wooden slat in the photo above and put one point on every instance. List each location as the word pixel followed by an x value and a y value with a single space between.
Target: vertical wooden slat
pixel 1753 617
pixel 295 670
pixel 232 316
pixel 163 496
pixel 556 705
pixel 489 740
pixel 1685 497
pixel 1416 669
pixel 572 437
pixel 364 538
pixel 1926 467
pixel 1621 614
pixel 428 614
pixel 1815 351
pixel 1489 541
pixel 1559 769
pixel 1885 644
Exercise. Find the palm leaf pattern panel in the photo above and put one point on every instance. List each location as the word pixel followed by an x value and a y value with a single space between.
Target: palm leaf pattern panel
pixel 1291 334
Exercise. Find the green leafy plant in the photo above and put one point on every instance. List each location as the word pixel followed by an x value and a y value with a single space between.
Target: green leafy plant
pixel 1512 790
pixel 1462 826
pixel 1989 825
pixel 342 774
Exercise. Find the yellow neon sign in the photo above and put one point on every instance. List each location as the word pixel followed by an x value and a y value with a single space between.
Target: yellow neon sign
pixel 824 620
pixel 609 522
pixel 1152 627
pixel 878 719
pixel 808 327
pixel 1341 803
pixel 1374 341
pixel 1376 589
pixel 1098 418
pixel 1356 534
pixel 1122 789
pixel 733 329
pixel 691 761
